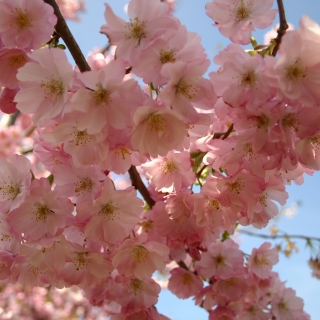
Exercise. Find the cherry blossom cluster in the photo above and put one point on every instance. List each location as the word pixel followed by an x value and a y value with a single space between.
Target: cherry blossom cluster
pixel 242 135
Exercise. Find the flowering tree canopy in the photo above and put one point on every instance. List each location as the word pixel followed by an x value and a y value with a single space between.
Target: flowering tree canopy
pixel 204 155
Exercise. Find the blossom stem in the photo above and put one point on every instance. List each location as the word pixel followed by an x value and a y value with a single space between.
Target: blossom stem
pixel 139 185
pixel 278 236
pixel 282 27
pixel 64 32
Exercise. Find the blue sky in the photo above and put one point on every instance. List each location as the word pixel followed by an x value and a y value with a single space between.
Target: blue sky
pixel 294 270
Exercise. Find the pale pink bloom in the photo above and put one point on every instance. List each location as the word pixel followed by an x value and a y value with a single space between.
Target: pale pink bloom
pixel 70 8
pixel 26 24
pixel 42 213
pixel 85 149
pixel 97 60
pixel 106 98
pixel 295 73
pixel 262 260
pixel 7 104
pixel 138 258
pixel 83 183
pixel 222 260
pixel 136 294
pixel 9 240
pixel 241 79
pixel 233 288
pixel 87 267
pixel 156 130
pixel 112 216
pixel 44 84
pixel 184 284
pixel 6 260
pixel 186 88
pixel 177 45
pixel 149 19
pixel 236 19
pixel 10 61
pixel 286 306
pixel 222 313
pixel 172 172
pixel 15 179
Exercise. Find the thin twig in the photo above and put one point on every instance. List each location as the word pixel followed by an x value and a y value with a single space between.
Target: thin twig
pixel 13 118
pixel 282 27
pixel 139 185
pixel 64 32
pixel 278 236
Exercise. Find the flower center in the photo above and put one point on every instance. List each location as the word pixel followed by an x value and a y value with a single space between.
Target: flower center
pixel 235 187
pixel 137 29
pixel 219 260
pixel 167 56
pixel 17 61
pixel 139 254
pixel 10 190
pixel 155 122
pixel 22 19
pixel 80 262
pixel 53 89
pixel 101 95
pixel 248 79
pixel 187 278
pixel 136 286
pixel 295 72
pixel 81 138
pixel 186 90
pixel 108 211
pixel 263 261
pixel 123 152
pixel 290 122
pixel 42 212
pixel 169 167
pixel 263 122
pixel 84 185
pixel 242 11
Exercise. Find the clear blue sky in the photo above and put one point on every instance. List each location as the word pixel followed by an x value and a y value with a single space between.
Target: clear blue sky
pixel 293 270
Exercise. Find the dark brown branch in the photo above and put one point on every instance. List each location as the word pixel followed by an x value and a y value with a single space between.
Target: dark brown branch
pixel 64 32
pixel 282 27
pixel 139 185
pixel 279 236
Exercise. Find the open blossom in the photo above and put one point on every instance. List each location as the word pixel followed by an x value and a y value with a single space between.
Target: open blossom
pixel 15 179
pixel 184 284
pixel 222 260
pixel 262 260
pixel 149 19
pixel 138 258
pixel 26 24
pixel 44 84
pixel 43 212
pixel 294 73
pixel 236 19
pixel 10 61
pixel 156 130
pixel 106 98
pixel 172 172
pixel 112 216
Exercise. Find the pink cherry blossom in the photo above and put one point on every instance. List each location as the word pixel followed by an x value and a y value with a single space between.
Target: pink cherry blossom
pixel 156 130
pixel 26 24
pixel 237 19
pixel 184 284
pixel 149 19
pixel 7 104
pixel 172 172
pixel 262 260
pixel 43 212
pixel 44 84
pixel 137 258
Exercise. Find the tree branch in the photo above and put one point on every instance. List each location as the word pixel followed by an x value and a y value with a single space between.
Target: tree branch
pixel 282 27
pixel 64 32
pixel 139 185
pixel 278 236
